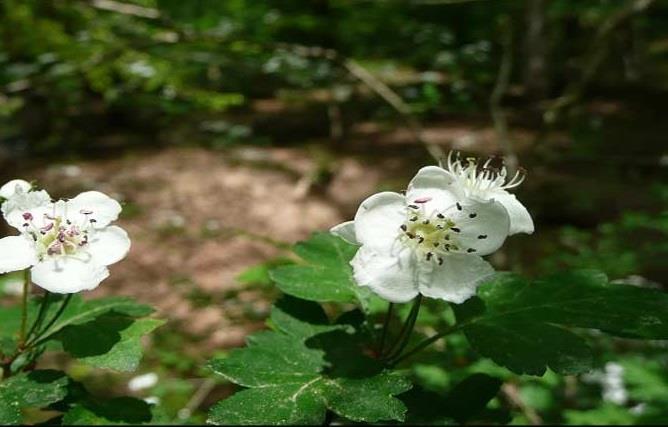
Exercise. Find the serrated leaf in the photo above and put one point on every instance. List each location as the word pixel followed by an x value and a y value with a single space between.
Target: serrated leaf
pixel 300 318
pixel 522 325
pixel 326 276
pixel 109 341
pixel 36 389
pixel 118 411
pixel 294 380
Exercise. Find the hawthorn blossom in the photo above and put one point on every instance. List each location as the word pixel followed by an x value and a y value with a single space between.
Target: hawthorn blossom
pixel 431 240
pixel 67 244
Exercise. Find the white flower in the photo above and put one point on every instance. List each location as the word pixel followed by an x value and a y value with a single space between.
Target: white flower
pixel 486 182
pixel 142 382
pixel 68 244
pixel 431 240
pixel 19 198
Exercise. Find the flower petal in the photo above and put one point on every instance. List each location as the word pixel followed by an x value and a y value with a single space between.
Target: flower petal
pixel 36 202
pixel 434 184
pixel 392 277
pixel 483 226
pixel 378 219
pixel 16 253
pixel 520 219
pixel 68 275
pixel 104 209
pixel 346 231
pixel 109 245
pixel 457 279
pixel 14 186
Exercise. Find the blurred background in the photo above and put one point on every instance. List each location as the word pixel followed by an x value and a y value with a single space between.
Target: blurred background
pixel 230 129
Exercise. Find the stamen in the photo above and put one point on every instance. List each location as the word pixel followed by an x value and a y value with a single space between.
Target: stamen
pixel 422 200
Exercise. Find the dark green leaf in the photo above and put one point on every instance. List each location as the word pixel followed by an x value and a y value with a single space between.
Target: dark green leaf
pixel 109 341
pixel 521 324
pixel 36 389
pixel 327 276
pixel 118 411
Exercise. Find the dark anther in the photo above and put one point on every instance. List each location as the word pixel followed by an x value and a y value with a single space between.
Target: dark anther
pixel 420 239
pixel 447 237
pixel 482 236
pixel 410 235
pixel 69 222
pixel 436 244
pixel 470 250
pixel 429 255
pixel 459 207
pixel 455 229
pixel 414 219
pixel 93 220
pixel 440 261
pixel 440 227
pixel 473 215
pixel 26 225
pixel 403 227
pixel 426 221
pixel 414 206
pixel 441 216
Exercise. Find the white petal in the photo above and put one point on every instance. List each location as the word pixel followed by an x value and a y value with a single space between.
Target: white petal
pixel 34 202
pixel 457 279
pixel 68 275
pixel 16 253
pixel 520 219
pixel 378 220
pixel 483 226
pixel 346 231
pixel 104 209
pixel 434 184
pixel 108 245
pixel 14 186
pixel 392 277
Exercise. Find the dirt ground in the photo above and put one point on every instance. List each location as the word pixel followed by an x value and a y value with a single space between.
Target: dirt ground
pixel 198 218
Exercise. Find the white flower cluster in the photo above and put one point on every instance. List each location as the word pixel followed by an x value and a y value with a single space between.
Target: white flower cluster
pixel 67 244
pixel 430 241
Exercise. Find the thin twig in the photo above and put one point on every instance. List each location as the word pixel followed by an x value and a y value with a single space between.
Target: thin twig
pixel 512 394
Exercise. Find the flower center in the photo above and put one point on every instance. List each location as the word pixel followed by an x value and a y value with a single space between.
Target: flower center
pixel 480 179
pixel 58 236
pixel 430 236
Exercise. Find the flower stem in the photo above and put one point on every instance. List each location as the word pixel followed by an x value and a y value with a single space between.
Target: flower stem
pixel 424 344
pixel 386 326
pixel 24 308
pixel 406 331
pixel 40 316
pixel 39 337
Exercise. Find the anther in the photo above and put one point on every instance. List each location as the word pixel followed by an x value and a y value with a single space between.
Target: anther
pixel 455 229
pixel 429 255
pixel 440 261
pixel 422 200
pixel 436 244
pixel 414 219
pixel 420 239
pixel 440 216
pixel 473 215
pixel 470 250
pixel 414 206
pixel 459 207
pixel 27 216
pixel 410 235
pixel 425 222
pixel 403 227
pixel 482 236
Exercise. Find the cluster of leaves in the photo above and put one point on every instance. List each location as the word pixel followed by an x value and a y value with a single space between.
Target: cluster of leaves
pixel 310 368
pixel 102 333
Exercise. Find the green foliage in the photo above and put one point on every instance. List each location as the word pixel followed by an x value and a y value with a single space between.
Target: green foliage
pixel 326 277
pixel 36 389
pixel 300 371
pixel 118 411
pixel 522 324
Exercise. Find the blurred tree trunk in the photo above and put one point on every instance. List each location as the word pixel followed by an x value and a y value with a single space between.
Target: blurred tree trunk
pixel 536 78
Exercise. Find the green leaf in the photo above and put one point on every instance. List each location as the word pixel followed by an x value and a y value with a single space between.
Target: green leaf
pixel 118 411
pixel 36 389
pixel 294 379
pixel 522 325
pixel 109 341
pixel 326 276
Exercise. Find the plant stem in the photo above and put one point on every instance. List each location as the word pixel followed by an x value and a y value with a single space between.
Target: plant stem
pixel 40 316
pixel 406 331
pixel 24 308
pixel 386 326
pixel 424 344
pixel 39 337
